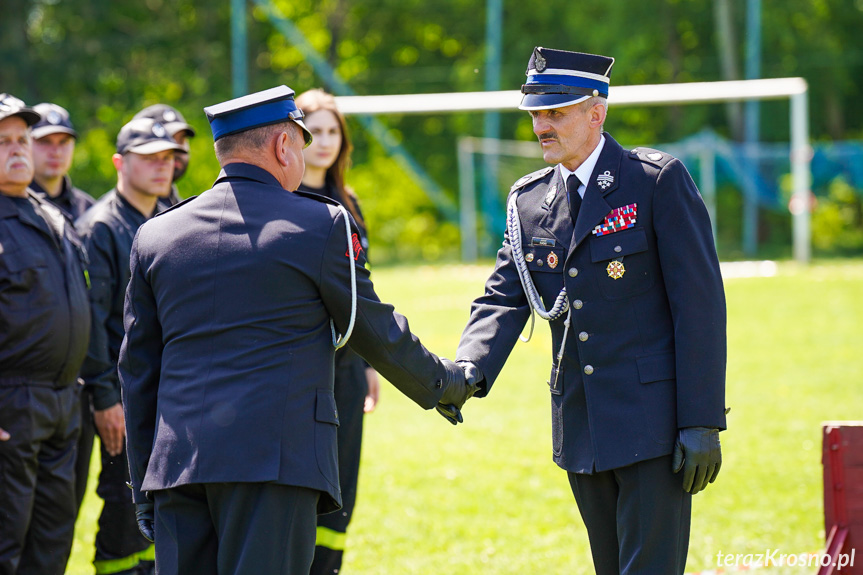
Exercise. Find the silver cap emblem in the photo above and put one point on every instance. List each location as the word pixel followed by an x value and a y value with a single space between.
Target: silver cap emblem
pixel 539 62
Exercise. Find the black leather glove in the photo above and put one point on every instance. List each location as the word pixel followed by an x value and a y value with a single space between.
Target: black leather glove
pixel 458 387
pixel 697 452
pixel 145 513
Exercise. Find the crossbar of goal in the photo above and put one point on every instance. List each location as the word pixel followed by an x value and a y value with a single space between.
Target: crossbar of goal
pixel 795 89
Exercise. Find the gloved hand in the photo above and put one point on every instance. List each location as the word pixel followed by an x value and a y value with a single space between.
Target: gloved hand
pixel 145 514
pixel 697 452
pixel 458 387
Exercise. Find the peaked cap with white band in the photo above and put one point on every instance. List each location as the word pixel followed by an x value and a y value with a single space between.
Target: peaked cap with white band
pixel 557 78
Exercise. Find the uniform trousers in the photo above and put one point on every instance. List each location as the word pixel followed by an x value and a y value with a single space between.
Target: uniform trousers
pixel 37 478
pixel 235 529
pixel 350 392
pixel 637 518
pixel 85 447
pixel 120 547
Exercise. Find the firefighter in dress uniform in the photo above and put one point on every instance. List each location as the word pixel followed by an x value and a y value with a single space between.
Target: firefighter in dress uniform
pixel 614 248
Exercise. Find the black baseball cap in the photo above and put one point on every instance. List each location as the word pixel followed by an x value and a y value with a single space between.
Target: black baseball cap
pixel 145 136
pixel 55 120
pixel 12 106
pixel 167 116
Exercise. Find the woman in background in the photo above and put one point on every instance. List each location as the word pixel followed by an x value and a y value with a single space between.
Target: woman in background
pixel 356 384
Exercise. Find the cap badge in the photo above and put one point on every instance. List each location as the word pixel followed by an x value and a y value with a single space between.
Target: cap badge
pixel 54 117
pixel 159 130
pixel 615 269
pixel 604 180
pixel 169 116
pixel 539 62
pixel 552 260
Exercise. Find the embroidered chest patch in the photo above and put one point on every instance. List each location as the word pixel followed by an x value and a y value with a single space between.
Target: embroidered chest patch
pixel 618 219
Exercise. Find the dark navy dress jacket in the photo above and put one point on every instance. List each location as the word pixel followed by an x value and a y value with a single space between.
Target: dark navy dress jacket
pixel 227 363
pixel 645 354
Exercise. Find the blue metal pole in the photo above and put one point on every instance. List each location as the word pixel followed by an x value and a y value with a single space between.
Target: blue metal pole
pixel 239 49
pixel 492 206
pixel 751 121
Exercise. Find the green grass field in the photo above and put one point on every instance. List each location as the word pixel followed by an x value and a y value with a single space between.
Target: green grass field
pixel 485 497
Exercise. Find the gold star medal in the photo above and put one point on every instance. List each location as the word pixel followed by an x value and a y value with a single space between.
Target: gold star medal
pixel 615 269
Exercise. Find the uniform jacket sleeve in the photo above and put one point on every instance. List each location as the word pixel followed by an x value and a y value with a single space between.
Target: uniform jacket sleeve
pixel 139 371
pixel 99 371
pixel 496 320
pixel 381 335
pixel 693 282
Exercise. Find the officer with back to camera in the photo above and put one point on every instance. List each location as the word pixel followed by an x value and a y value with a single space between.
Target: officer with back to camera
pixel 227 363
pixel 614 248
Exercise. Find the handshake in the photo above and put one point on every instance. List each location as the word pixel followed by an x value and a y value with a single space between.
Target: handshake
pixel 462 381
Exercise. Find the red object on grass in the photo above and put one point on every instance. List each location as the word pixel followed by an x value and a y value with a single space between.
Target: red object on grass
pixel 842 458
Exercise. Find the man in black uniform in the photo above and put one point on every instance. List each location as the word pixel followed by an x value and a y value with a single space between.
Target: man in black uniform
pixel 53 147
pixel 44 326
pixel 177 128
pixel 227 364
pixel 144 163
pixel 614 248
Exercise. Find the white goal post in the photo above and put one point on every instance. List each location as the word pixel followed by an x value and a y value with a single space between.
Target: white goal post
pixel 795 89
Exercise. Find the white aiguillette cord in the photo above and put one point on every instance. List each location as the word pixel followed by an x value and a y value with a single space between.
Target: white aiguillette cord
pixel 561 303
pixel 340 341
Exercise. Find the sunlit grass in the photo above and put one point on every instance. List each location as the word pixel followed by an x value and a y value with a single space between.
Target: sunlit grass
pixel 485 497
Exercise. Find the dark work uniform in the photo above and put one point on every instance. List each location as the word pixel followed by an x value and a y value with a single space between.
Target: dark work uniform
pixel 227 371
pixel 107 230
pixel 44 327
pixel 645 352
pixel 73 202
pixel 351 388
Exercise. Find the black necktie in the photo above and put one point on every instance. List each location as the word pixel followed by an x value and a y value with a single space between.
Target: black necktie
pixel 572 185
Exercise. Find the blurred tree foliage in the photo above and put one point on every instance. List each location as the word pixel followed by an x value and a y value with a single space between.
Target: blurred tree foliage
pixel 106 59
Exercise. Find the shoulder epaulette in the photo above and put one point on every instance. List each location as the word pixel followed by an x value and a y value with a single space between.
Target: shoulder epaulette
pixel 651 156
pixel 318 197
pixel 175 206
pixel 532 177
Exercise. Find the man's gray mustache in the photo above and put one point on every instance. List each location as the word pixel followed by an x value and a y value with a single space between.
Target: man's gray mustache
pixel 18 158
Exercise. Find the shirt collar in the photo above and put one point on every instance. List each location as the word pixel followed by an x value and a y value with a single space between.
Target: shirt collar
pixel 584 171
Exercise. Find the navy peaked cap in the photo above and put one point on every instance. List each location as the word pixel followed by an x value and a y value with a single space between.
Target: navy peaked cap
pixel 557 78
pixel 254 111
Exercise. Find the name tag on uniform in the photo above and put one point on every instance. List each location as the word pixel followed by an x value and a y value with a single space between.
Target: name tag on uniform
pixel 545 242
